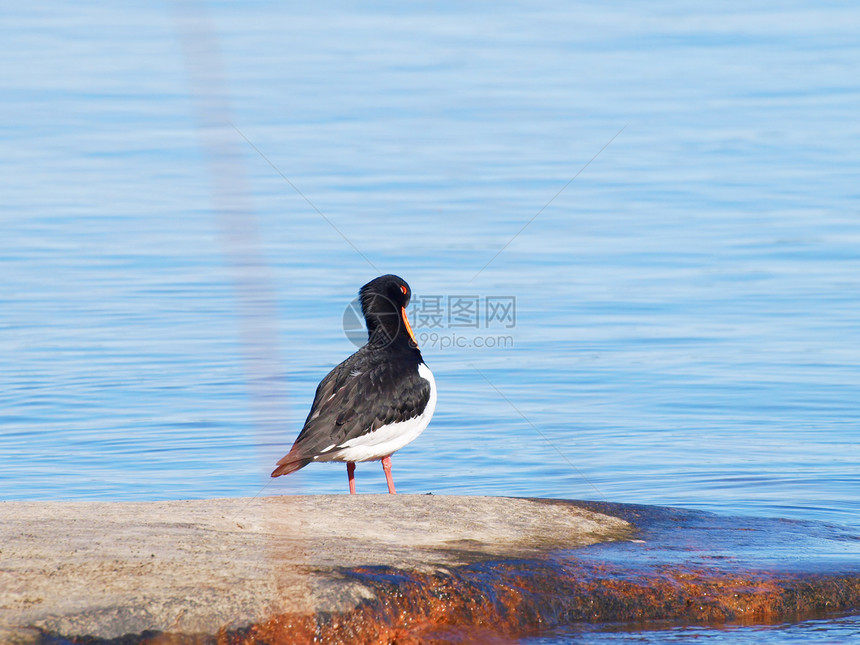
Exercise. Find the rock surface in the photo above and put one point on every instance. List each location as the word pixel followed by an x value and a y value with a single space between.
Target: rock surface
pixel 110 569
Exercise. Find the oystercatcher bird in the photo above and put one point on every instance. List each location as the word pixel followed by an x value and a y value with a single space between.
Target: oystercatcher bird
pixel 377 400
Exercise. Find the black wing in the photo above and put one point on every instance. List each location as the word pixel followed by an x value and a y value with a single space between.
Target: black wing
pixel 363 393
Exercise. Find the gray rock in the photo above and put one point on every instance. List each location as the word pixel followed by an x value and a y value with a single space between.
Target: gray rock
pixel 107 569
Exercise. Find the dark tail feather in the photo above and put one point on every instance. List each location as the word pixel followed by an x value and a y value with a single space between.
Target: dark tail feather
pixel 290 464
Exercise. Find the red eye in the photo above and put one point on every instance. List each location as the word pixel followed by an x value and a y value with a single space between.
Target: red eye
pixel 403 289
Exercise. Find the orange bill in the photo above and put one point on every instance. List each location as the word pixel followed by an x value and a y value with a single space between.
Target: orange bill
pixel 408 327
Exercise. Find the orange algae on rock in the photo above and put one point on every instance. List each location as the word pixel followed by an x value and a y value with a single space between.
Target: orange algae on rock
pixel 504 601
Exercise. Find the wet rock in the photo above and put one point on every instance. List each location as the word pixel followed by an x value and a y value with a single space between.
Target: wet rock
pixel 105 570
pixel 404 569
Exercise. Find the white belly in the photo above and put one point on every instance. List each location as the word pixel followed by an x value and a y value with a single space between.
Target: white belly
pixel 389 438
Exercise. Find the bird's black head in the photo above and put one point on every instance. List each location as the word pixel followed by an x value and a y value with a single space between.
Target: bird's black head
pixel 383 303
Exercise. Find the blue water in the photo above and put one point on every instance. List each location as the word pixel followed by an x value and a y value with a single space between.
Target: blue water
pixel 838 631
pixel 192 195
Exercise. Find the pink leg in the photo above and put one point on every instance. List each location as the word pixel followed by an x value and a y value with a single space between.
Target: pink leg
pixel 350 472
pixel 386 466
